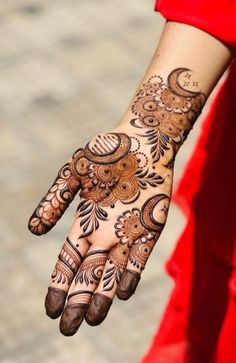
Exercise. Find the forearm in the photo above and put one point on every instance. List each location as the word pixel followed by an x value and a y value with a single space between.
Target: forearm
pixel 183 46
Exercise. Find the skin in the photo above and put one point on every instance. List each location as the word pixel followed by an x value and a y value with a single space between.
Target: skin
pixel 124 179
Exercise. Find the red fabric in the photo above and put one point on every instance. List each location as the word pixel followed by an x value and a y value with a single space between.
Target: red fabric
pixel 199 324
pixel 215 17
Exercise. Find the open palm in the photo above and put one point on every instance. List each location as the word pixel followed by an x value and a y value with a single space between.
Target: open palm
pixel 125 179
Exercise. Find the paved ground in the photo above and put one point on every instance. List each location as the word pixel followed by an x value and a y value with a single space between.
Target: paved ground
pixel 67 70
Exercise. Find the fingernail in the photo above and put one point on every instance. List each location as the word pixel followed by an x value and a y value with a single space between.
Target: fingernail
pixel 72 317
pixel 98 309
pixel 128 284
pixel 54 302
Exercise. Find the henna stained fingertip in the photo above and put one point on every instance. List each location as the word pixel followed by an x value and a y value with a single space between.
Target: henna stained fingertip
pixel 72 318
pixel 98 309
pixel 54 302
pixel 128 284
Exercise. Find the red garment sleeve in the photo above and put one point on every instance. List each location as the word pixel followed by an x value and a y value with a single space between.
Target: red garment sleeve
pixel 215 17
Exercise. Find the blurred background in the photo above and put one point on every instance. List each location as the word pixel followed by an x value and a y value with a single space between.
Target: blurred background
pixel 68 69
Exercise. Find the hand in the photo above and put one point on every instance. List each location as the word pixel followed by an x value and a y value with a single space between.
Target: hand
pixel 125 181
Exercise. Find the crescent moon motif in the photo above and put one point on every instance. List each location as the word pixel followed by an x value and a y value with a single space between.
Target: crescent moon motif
pixel 107 148
pixel 176 87
pixel 147 217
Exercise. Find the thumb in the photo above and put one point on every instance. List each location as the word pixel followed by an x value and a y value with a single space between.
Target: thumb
pixel 57 199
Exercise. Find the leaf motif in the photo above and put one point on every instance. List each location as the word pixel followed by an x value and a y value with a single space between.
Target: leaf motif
pixel 133 123
pixel 83 207
pixel 153 140
pixel 86 279
pixel 151 178
pixel 153 148
pixel 90 213
pixel 118 274
pixel 108 288
pixel 83 221
pixel 96 224
pixel 142 184
pixel 101 213
pixel 108 275
pixel 85 211
pixel 110 269
pixel 150 132
pixel 86 225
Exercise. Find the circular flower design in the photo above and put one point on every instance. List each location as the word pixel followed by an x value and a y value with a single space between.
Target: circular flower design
pixel 107 183
pixel 168 128
pixel 151 86
pixel 141 252
pixel 181 120
pixel 125 167
pixel 101 175
pixel 126 190
pixel 171 102
pixel 119 256
pixel 48 213
pixel 80 164
pixel 143 105
pixel 129 227
pixel 150 106
pixel 149 121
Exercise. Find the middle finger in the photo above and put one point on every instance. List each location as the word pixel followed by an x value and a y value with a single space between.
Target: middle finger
pixel 85 283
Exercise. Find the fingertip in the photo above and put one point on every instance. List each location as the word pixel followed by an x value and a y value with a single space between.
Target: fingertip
pixel 98 309
pixel 54 302
pixel 128 284
pixel 37 227
pixel 123 295
pixel 72 318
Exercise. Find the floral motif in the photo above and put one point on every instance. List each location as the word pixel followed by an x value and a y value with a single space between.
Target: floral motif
pixel 118 258
pixel 170 101
pixel 91 269
pixel 53 205
pixel 140 253
pixel 128 227
pixel 103 184
pixel 138 230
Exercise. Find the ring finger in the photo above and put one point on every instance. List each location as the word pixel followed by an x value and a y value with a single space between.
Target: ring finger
pixel 106 290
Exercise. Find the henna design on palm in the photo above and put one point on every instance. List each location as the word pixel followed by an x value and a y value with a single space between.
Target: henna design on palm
pixel 124 178
pixel 137 232
pixel 111 168
pixel 120 177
